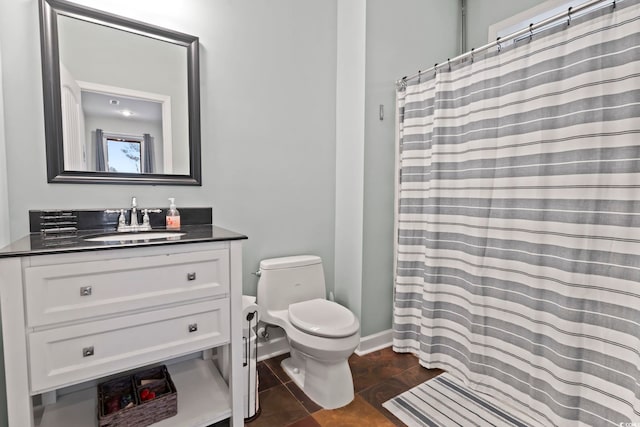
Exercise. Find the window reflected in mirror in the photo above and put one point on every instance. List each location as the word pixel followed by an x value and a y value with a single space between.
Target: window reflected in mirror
pixel 123 155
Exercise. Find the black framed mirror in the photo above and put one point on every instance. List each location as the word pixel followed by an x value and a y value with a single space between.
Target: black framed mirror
pixel 121 99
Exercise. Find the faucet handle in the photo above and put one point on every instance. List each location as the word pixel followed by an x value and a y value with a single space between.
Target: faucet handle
pixel 121 218
pixel 146 225
pixel 146 212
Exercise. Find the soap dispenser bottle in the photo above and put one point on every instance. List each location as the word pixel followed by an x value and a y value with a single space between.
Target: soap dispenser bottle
pixel 173 216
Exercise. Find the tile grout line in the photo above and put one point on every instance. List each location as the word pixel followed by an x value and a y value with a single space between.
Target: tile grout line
pixel 382 412
pixel 303 407
pixel 308 414
pixel 274 375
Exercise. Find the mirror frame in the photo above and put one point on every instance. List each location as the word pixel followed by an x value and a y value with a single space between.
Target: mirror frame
pixel 49 11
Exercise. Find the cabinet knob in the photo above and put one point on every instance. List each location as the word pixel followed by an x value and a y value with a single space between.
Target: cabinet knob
pixel 193 327
pixel 87 351
pixel 85 291
pixel 191 276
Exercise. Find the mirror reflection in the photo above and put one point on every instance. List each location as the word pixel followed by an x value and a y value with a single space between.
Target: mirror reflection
pixel 121 98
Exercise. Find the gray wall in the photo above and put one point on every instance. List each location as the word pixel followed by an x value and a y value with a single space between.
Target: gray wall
pixel 4 195
pixel 351 37
pixel 402 37
pixel 271 98
pixel 483 13
pixel 4 236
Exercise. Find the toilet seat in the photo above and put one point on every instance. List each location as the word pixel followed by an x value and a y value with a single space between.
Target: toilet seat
pixel 323 318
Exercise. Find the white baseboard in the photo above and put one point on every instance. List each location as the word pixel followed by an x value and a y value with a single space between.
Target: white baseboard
pixel 375 342
pixel 275 346
pixel 278 345
pixel 272 348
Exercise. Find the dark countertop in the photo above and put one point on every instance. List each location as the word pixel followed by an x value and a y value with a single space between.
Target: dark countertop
pixel 36 244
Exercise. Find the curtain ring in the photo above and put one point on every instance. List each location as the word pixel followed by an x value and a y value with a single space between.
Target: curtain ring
pixel 435 69
pixel 419 76
pixel 472 49
pixel 403 83
pixel 614 4
pixel 449 62
pixel 531 31
pixel 499 44
pixel 569 16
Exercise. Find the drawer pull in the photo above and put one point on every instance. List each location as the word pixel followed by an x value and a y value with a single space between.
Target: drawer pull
pixel 85 291
pixel 191 276
pixel 87 351
pixel 193 327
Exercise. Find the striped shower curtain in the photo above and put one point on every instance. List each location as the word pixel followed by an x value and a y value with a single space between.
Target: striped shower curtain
pixel 518 251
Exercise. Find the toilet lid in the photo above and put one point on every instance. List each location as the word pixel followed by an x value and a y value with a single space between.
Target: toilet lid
pixel 323 318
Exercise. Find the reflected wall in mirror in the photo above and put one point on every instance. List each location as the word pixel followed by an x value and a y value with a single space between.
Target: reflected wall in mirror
pixel 121 98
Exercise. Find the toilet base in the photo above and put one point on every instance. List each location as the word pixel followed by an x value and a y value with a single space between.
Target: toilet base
pixel 330 385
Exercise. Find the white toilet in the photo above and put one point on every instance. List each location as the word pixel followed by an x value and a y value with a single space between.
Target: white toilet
pixel 322 334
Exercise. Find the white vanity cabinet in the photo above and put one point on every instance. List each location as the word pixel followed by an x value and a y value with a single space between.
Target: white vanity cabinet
pixel 72 320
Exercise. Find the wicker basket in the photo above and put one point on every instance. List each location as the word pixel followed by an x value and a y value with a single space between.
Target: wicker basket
pixel 141 413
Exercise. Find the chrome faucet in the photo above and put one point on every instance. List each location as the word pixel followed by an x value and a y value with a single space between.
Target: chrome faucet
pixel 134 214
pixel 134 224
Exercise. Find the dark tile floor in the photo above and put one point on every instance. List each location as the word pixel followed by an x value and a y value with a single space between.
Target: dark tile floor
pixel 377 377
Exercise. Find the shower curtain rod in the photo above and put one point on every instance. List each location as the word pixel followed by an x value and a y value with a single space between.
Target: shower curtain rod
pixel 499 40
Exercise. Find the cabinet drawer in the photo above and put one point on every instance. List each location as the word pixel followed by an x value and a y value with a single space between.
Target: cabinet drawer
pixel 64 356
pixel 82 290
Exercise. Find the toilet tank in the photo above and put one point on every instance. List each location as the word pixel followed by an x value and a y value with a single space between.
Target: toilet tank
pixel 287 280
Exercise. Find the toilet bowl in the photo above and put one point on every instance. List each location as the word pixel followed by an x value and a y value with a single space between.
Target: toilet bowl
pixel 322 334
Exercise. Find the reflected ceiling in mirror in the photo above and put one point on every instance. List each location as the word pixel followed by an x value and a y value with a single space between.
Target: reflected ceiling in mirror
pixel 121 99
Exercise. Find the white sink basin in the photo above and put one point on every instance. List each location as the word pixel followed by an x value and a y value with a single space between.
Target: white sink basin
pixel 142 235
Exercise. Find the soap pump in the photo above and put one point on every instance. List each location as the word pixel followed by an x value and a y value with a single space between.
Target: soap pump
pixel 173 216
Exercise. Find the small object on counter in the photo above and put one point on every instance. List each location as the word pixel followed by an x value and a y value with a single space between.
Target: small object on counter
pixel 173 216
pixel 145 382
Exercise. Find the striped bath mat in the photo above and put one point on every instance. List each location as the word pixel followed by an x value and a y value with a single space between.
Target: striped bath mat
pixel 445 402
